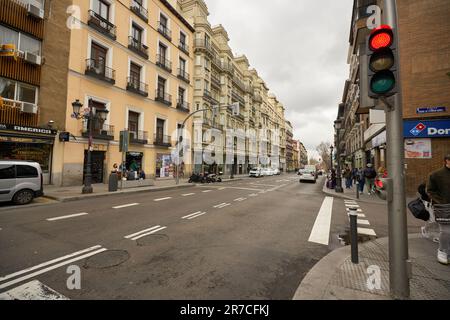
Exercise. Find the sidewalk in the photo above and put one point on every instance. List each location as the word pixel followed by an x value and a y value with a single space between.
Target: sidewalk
pixel 73 193
pixel 335 277
pixel 350 194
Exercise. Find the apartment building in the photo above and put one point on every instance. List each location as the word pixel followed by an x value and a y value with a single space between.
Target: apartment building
pixel 131 62
pixel 424 49
pixel 296 154
pixel 290 164
pixel 34 52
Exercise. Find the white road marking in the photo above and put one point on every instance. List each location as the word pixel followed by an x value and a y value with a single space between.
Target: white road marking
pixel 126 206
pixel 34 290
pixel 68 216
pixel 196 216
pixel 219 205
pixel 364 222
pixel 148 233
pixel 44 264
pixel 247 189
pixel 276 188
pixel 253 195
pixel 140 232
pixel 223 188
pixel 360 215
pixel 352 206
pixel 368 232
pixel 206 191
pixel 223 205
pixel 162 199
pixel 34 274
pixel 187 194
pixel 240 199
pixel 321 230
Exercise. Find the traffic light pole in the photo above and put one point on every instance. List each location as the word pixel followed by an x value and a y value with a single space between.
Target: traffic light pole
pixel 399 264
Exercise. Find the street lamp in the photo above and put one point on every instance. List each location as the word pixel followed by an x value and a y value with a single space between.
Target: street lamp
pixel 93 115
pixel 338 127
pixel 331 158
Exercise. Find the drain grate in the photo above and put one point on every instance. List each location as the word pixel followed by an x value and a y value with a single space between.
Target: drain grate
pixel 107 259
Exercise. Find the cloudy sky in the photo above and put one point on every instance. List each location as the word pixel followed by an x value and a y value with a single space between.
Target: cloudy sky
pixel 299 47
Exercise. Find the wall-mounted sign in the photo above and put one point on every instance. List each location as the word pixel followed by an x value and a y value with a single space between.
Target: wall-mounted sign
pixel 426 128
pixel 25 129
pixel 431 110
pixel 379 140
pixel 418 149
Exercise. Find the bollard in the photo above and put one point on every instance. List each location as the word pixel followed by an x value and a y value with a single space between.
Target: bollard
pixel 354 234
pixel 357 189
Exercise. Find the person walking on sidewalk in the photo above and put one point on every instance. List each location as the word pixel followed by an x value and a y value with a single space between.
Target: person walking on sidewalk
pixel 348 177
pixel 438 188
pixel 361 179
pixel 370 174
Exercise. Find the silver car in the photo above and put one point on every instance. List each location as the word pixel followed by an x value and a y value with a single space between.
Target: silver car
pixel 307 175
pixel 20 181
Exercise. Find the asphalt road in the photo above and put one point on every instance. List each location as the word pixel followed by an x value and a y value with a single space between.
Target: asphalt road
pixel 242 240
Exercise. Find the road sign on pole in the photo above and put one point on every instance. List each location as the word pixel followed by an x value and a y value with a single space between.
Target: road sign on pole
pixel 124 141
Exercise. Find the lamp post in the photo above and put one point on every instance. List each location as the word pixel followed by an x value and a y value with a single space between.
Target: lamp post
pixel 91 116
pixel 338 127
pixel 331 157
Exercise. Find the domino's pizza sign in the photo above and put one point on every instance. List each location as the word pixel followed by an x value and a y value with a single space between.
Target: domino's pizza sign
pixel 426 129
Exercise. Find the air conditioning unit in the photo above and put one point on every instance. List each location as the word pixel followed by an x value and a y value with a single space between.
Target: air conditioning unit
pixel 35 11
pixel 32 58
pixel 29 107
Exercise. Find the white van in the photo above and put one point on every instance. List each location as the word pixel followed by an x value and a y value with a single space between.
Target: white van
pixel 20 181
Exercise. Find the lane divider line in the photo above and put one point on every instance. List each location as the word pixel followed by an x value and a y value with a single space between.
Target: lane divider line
pixel 67 217
pixel 320 232
pixel 162 199
pixel 219 205
pixel 126 206
pixel 148 233
pixel 187 194
pixel 196 216
pixel 140 232
pixel 190 215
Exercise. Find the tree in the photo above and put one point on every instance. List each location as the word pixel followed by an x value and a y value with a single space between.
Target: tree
pixel 313 162
pixel 324 151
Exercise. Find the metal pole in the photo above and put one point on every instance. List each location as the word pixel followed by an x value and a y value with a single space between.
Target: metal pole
pixel 338 188
pixel 87 188
pixel 399 264
pixel 357 189
pixel 354 234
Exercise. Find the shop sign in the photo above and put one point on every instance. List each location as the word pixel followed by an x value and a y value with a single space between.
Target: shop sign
pixel 25 129
pixel 418 149
pixel 24 140
pixel 426 128
pixel 431 110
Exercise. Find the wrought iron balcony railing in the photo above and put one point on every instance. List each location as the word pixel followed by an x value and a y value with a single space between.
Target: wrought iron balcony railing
pixel 184 47
pixel 102 25
pixel 139 10
pixel 137 47
pixel 139 137
pixel 162 141
pixel 162 62
pixel 183 106
pixel 163 97
pixel 183 75
pixel 99 131
pixel 134 85
pixel 165 31
pixel 97 68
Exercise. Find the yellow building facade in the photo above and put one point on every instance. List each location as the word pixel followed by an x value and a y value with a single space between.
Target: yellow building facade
pixel 131 60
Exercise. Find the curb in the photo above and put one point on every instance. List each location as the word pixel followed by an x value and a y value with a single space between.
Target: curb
pixel 343 196
pixel 316 281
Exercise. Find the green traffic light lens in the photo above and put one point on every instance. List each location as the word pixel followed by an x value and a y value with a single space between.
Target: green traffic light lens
pixel 382 82
pixel 382 60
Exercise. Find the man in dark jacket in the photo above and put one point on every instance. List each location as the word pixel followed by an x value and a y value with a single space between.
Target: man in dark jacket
pixel 370 174
pixel 438 188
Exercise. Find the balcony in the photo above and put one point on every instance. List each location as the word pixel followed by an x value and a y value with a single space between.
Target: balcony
pixel 203 45
pixel 215 61
pixel 15 14
pixel 228 67
pixel 207 93
pixel 215 81
pixel 183 75
pixel 237 97
pixel 183 106
pixel 162 29
pixel 163 63
pixel 99 131
pixel 239 83
pixel 138 47
pixel 139 10
pixel 102 25
pixel 183 47
pixel 13 112
pixel 163 97
pixel 134 85
pixel 138 137
pixel 97 69
pixel 162 141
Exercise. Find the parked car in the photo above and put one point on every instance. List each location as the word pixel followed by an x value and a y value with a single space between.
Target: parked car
pixel 276 171
pixel 307 175
pixel 255 172
pixel 20 181
pixel 266 172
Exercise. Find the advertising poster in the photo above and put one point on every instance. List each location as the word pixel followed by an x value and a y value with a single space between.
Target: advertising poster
pixel 418 149
pixel 164 166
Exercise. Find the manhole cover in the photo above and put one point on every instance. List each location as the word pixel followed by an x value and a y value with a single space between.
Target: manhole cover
pixel 107 259
pixel 152 240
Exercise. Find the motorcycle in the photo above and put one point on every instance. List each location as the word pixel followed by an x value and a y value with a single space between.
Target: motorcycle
pixel 197 178
pixel 213 178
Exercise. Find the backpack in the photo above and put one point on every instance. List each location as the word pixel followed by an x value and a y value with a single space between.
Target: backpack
pixel 418 209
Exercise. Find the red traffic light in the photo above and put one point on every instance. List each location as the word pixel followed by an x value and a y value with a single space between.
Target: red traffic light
pixel 381 37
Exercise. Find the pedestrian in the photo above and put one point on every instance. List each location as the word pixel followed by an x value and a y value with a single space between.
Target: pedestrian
pixel 361 180
pixel 431 228
pixel 370 174
pixel 348 177
pixel 115 168
pixel 354 175
pixel 333 178
pixel 438 188
pixel 134 167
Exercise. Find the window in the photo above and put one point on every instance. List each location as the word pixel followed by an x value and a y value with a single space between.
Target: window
pixel 160 123
pixel 207 41
pixel 98 55
pixel 181 92
pixel 14 90
pixel 133 123
pixel 7 171
pixel 26 93
pixel 182 66
pixel 7 88
pixel 198 84
pixel 101 8
pixel 135 74
pixel 136 33
pixel 161 87
pixel 24 171
pixel 162 52
pixel 21 41
pixel 182 39
pixel 163 22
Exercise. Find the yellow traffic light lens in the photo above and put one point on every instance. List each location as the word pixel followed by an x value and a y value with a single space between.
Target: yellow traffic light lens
pixel 382 82
pixel 383 60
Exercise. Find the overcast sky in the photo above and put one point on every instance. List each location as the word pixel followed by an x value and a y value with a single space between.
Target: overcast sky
pixel 299 47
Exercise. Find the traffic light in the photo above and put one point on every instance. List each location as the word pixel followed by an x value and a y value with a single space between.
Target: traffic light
pixel 382 62
pixel 383 188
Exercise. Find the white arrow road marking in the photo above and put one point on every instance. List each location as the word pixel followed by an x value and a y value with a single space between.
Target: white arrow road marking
pixel 321 230
pixel 52 267
pixel 148 233
pixel 140 232
pixel 34 290
pixel 68 216
pixel 126 206
pixel 162 199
